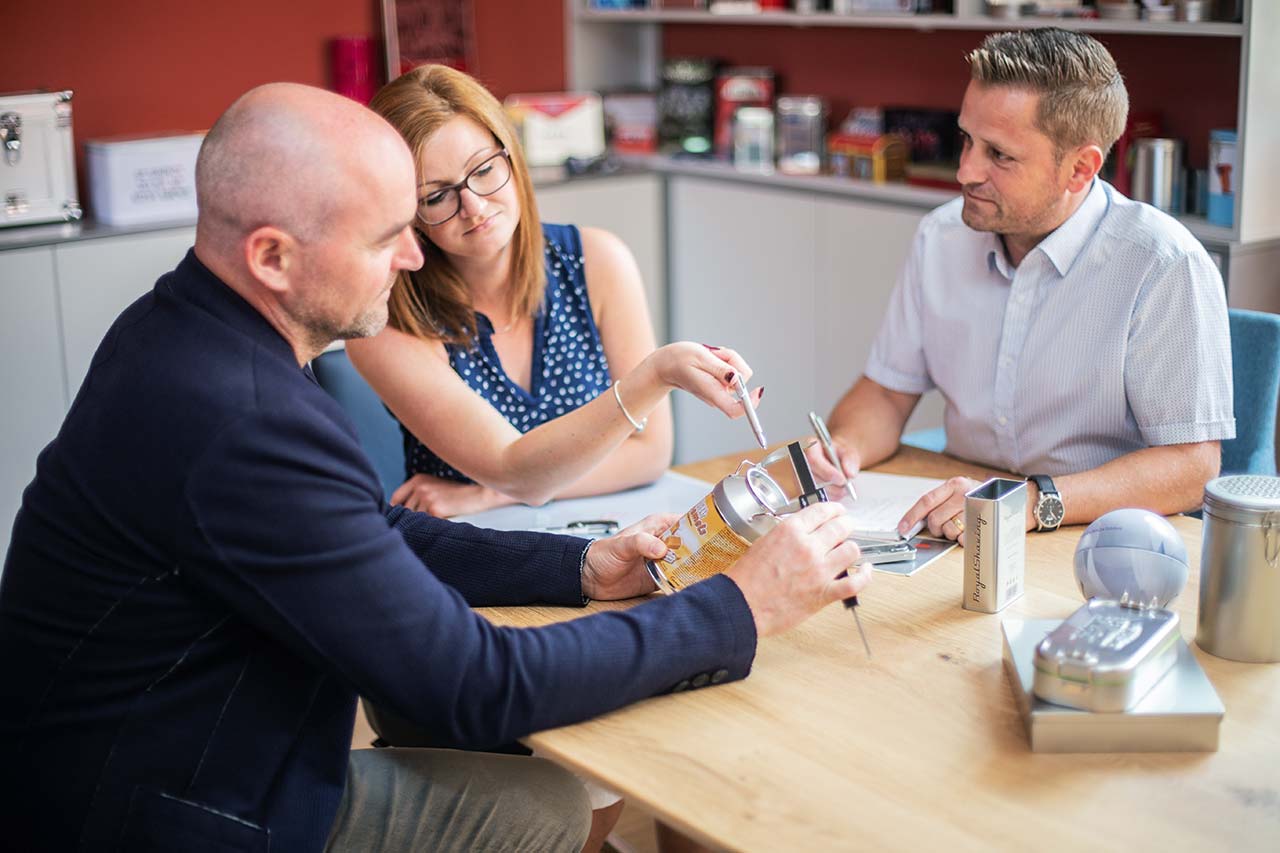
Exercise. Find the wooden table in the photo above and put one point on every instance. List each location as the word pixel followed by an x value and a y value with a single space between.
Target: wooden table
pixel 921 746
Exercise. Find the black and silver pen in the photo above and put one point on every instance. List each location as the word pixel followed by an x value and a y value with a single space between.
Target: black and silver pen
pixel 809 489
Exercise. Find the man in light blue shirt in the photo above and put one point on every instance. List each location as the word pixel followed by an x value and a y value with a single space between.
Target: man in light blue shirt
pixel 1077 337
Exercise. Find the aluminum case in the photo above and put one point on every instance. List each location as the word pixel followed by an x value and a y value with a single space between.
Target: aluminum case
pixel 1106 656
pixel 37 159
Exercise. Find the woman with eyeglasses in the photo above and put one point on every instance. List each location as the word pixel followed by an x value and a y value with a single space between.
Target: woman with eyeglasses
pixel 520 359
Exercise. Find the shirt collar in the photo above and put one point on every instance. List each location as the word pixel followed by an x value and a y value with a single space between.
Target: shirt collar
pixel 1068 240
pixel 1065 243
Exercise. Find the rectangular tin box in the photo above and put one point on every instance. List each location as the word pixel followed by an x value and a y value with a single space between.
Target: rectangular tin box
pixel 1105 656
pixel 995 551
pixel 1182 713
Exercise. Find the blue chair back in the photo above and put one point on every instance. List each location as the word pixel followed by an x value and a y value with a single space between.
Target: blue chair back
pixel 379 432
pixel 927 439
pixel 1255 366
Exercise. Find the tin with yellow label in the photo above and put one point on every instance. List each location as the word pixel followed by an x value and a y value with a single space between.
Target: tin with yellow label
pixel 716 531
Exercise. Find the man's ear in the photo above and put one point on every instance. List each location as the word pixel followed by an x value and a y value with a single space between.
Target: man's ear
pixel 1086 161
pixel 270 255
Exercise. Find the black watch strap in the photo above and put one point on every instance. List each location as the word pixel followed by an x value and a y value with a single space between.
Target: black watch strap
pixel 1044 483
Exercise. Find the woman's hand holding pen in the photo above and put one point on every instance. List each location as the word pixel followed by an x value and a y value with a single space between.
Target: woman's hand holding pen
pixel 706 372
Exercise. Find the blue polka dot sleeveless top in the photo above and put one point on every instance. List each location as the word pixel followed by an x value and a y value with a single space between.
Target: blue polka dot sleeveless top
pixel 569 367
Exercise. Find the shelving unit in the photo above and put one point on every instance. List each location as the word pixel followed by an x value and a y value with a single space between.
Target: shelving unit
pixel 617 48
pixel 925 22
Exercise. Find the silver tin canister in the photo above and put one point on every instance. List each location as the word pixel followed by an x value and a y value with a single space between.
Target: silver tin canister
pixel 1157 173
pixel 995 544
pixel 1239 614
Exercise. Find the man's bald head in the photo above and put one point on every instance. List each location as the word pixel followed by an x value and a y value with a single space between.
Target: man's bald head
pixel 288 156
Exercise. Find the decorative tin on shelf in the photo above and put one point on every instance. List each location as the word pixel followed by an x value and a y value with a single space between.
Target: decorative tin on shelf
pixel 38 167
pixel 802 128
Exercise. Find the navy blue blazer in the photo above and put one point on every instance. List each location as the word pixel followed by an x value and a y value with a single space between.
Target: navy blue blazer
pixel 203 576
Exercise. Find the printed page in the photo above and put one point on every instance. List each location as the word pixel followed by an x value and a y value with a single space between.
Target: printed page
pixel 882 501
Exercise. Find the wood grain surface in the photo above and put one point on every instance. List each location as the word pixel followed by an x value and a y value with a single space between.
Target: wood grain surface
pixel 920 746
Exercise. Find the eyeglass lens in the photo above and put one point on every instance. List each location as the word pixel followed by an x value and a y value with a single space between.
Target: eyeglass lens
pixel 485 179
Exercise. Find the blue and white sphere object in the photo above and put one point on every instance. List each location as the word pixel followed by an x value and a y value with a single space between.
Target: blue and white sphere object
pixel 1133 554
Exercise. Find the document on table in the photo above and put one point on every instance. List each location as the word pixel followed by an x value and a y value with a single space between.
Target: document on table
pixel 672 492
pixel 882 501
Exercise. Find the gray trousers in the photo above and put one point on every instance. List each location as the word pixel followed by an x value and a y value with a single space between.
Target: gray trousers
pixel 400 800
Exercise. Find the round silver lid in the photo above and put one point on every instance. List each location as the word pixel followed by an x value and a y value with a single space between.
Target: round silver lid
pixel 1242 497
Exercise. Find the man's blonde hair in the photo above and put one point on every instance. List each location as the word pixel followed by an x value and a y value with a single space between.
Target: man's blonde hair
pixel 1082 95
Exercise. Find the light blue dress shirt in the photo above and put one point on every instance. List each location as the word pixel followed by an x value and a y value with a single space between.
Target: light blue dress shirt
pixel 1109 337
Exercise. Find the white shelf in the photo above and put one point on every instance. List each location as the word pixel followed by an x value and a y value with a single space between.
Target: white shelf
pixel 907 195
pixel 910 22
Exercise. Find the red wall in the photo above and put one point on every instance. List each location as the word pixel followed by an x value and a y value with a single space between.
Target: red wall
pixel 148 66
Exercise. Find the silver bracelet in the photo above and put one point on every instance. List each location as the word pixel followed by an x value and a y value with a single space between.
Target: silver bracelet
pixel 638 425
pixel 582 572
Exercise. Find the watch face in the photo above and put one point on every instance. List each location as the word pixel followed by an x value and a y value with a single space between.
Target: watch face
pixel 1049 511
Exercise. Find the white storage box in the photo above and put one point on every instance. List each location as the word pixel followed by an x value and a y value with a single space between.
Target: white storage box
pixel 37 159
pixel 139 180
pixel 554 127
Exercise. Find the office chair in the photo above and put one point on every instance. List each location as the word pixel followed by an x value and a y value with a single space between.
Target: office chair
pixel 379 432
pixel 1255 367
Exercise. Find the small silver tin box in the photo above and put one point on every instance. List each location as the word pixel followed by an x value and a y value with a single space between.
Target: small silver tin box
pixel 1106 656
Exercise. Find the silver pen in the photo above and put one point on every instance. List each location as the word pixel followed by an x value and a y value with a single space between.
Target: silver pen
pixel 751 412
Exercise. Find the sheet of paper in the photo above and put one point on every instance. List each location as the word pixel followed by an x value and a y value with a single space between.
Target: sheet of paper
pixel 882 501
pixel 671 493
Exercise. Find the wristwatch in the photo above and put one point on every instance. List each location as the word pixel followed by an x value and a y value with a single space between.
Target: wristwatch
pixel 1049 509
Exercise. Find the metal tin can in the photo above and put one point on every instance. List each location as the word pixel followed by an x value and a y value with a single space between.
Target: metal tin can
pixel 1239 616
pixel 753 139
pixel 712 535
pixel 1222 177
pixel 1157 173
pixel 995 548
pixel 1106 656
pixel 802 128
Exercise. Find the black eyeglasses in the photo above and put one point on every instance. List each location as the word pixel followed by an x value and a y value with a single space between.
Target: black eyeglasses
pixel 441 205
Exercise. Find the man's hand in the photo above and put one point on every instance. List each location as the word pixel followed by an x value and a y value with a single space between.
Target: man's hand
pixel 614 567
pixel 790 573
pixel 825 474
pixel 942 509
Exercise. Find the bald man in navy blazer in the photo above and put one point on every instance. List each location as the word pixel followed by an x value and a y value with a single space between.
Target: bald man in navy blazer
pixel 203 575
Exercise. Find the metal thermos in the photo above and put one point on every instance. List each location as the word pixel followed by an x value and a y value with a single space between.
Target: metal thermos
pixel 1240 569
pixel 1157 173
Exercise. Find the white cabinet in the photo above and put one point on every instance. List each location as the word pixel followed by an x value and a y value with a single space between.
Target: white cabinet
pixel 32 383
pixel 742 275
pixel 97 279
pixel 861 249
pixel 798 283
pixel 631 207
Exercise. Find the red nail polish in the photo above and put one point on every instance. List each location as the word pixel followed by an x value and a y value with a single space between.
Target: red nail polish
pixel 728 377
pixel 760 396
pixel 709 346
